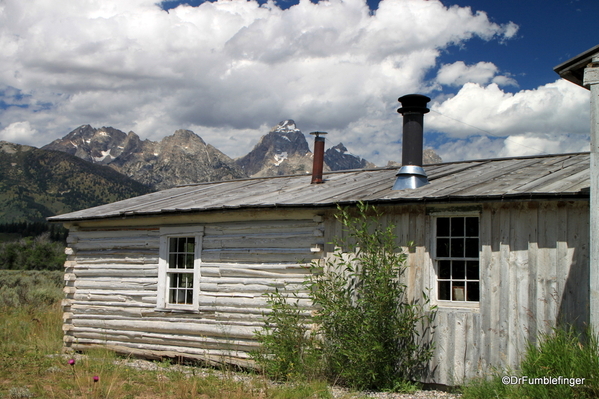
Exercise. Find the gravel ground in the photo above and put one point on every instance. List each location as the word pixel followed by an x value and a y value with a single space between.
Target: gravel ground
pixel 338 392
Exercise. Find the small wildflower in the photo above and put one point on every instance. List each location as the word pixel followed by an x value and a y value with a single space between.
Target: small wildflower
pixel 96 378
pixel 72 362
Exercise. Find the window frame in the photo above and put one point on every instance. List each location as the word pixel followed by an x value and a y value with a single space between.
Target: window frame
pixel 436 261
pixel 164 272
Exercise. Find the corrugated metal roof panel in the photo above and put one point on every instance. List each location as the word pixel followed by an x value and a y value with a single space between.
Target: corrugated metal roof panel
pixel 565 174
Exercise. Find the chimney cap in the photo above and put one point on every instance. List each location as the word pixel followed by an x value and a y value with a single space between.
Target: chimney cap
pixel 318 133
pixel 413 103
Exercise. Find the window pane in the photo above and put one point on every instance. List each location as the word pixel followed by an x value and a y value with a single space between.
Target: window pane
pixel 189 261
pixel 458 268
pixel 473 291
pixel 457 291
pixel 472 227
pixel 445 269
pixel 457 248
pixel 181 244
pixel 181 288
pixel 442 247
pixel 174 280
pixel 180 261
pixel 442 227
pixel 472 247
pixel 457 227
pixel 472 270
pixel 444 290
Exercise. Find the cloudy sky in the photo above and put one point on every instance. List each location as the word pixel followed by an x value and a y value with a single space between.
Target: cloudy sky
pixel 231 69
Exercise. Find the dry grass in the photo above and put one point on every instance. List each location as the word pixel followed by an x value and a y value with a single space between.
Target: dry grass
pixel 31 366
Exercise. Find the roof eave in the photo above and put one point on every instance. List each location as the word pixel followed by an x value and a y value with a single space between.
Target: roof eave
pixel 573 69
pixel 580 195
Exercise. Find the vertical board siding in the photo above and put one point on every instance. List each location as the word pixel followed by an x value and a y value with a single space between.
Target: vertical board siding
pixel 533 269
pixel 112 276
pixel 531 253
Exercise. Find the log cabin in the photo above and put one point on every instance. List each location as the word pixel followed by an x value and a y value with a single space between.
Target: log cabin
pixel 502 245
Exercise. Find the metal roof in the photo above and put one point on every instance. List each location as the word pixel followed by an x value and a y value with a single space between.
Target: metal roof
pixel 552 176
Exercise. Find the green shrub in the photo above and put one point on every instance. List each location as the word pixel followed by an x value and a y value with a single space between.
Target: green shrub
pixel 288 350
pixel 563 353
pixel 30 288
pixel 32 254
pixel 369 335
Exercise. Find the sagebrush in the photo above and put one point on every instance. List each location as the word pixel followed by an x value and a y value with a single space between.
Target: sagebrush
pixel 34 288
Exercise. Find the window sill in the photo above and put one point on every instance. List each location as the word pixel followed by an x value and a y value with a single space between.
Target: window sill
pixel 177 310
pixel 460 306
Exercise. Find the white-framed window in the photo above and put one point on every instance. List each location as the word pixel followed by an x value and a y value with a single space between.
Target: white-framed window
pixel 456 259
pixel 179 267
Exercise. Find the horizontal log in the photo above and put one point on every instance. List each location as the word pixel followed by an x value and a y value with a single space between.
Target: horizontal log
pixel 81 310
pixel 283 226
pixel 115 233
pixel 142 259
pixel 185 328
pixel 134 304
pixel 115 285
pixel 120 297
pixel 124 253
pixel 294 279
pixel 132 265
pixel 157 352
pixel 259 255
pixel 275 241
pixel 258 302
pixel 249 288
pixel 117 245
pixel 117 273
pixel 166 340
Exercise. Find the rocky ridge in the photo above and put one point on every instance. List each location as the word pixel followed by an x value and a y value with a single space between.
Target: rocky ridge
pixel 185 158
pixel 182 158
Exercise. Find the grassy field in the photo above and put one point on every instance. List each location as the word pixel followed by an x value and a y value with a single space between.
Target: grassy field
pixel 32 366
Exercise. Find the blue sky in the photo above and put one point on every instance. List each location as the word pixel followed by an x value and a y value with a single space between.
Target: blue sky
pixel 230 70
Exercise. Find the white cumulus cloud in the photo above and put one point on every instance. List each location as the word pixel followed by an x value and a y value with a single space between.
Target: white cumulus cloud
pixel 458 74
pixel 555 108
pixel 18 132
pixel 230 69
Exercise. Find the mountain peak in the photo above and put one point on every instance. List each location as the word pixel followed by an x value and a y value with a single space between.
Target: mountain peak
pixel 337 158
pixel 340 147
pixel 286 126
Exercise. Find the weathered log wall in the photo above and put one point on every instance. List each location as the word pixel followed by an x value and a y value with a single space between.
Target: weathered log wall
pixel 112 276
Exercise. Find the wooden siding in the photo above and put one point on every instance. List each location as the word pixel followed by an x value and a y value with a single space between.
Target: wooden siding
pixel 112 277
pixel 533 272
